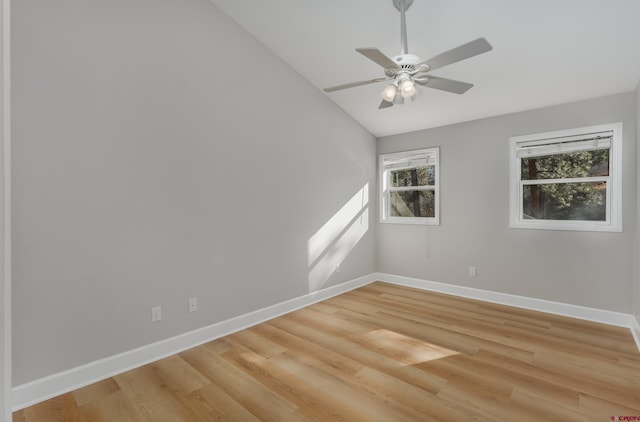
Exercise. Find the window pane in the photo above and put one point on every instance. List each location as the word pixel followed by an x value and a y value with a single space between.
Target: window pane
pixel 565 201
pixel 419 176
pixel 564 166
pixel 417 203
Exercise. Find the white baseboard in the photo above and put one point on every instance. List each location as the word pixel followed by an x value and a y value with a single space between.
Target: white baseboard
pixel 574 311
pixel 45 388
pixel 51 386
pixel 635 330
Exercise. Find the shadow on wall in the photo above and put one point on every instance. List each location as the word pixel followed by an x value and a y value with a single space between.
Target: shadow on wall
pixel 330 245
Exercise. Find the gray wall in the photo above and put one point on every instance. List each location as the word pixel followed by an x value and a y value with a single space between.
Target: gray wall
pixel 582 268
pixel 162 153
pixel 636 291
pixel 5 296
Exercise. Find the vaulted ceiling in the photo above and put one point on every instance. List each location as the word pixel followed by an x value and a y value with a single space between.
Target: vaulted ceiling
pixel 545 52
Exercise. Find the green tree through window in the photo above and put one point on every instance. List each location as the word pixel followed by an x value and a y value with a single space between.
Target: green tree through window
pixel 566 201
pixel 567 179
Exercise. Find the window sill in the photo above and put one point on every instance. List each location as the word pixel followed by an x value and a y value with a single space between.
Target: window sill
pixel 567 226
pixel 414 221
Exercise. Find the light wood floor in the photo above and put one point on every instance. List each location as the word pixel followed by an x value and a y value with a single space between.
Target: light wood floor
pixel 380 353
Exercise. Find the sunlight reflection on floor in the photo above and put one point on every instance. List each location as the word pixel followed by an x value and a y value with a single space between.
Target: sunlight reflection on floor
pixel 404 349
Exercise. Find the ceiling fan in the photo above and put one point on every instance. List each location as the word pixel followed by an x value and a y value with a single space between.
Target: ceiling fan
pixel 407 70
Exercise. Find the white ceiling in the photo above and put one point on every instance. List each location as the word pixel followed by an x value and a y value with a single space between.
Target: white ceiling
pixel 545 52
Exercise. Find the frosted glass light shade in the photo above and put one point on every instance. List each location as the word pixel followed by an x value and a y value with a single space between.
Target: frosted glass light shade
pixel 389 93
pixel 407 89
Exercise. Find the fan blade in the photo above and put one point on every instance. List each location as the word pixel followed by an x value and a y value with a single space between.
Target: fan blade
pixel 354 84
pixel 457 54
pixel 385 104
pixel 445 84
pixel 377 56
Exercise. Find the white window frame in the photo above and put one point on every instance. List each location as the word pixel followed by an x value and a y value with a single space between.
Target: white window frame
pixel 394 161
pixel 550 142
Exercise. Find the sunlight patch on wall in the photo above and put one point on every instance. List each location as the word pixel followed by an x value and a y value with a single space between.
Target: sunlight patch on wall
pixel 333 242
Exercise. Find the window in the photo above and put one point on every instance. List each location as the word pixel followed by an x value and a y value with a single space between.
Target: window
pixel 409 187
pixel 568 180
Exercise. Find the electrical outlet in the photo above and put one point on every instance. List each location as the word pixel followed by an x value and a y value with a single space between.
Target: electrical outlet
pixel 472 271
pixel 156 314
pixel 193 304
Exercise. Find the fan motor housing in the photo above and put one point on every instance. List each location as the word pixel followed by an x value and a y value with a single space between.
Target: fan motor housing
pixel 407 62
pixel 406 59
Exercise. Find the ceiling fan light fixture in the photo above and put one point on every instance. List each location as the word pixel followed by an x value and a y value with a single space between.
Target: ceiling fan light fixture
pixel 389 92
pixel 403 72
pixel 407 88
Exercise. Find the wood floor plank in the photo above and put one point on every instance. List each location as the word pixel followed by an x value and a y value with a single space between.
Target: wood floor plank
pixel 202 409
pixel 379 353
pixel 599 406
pixel 535 374
pixel 447 336
pixel 95 391
pixel 490 365
pixel 312 400
pixel 361 404
pixel 395 388
pixel 116 406
pixel 177 373
pixel 152 397
pixel 355 353
pixel 293 343
pixel 223 407
pixel 260 344
pixel 547 409
pixel 57 409
pixel 435 334
pixel 254 396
